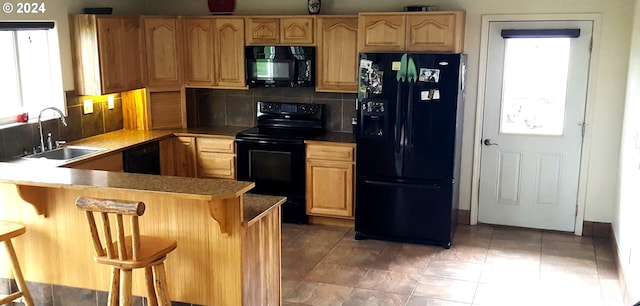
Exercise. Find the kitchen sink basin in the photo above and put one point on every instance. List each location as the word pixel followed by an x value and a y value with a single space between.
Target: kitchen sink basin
pixel 66 153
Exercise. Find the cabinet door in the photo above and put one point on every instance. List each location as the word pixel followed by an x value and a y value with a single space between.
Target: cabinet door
pixel 110 52
pixel 198 46
pixel 229 52
pixel 184 156
pixel 381 32
pixel 262 31
pixel 337 54
pixel 131 52
pixel 330 188
pixel 436 32
pixel 296 30
pixel 166 109
pixel 162 51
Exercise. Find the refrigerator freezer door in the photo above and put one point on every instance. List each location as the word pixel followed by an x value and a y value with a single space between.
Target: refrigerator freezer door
pixel 432 117
pixel 380 136
pixel 404 211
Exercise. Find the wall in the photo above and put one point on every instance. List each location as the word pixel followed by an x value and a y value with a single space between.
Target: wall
pixel 627 212
pixel 606 98
pixel 16 139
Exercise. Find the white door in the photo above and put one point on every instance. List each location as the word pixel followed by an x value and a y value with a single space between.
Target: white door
pixel 532 133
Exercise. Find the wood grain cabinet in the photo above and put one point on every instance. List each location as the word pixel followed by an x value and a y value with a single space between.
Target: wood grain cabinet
pixel 178 156
pixel 280 30
pixel 162 37
pixel 106 53
pixel 441 31
pixel 330 179
pixel 216 157
pixel 336 53
pixel 214 52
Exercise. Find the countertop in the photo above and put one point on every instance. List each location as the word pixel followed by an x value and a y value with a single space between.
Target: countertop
pixel 255 206
pixel 33 174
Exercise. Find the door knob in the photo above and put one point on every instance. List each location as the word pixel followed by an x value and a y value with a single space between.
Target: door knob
pixel 487 142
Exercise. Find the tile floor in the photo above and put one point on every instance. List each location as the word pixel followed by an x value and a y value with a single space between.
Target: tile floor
pixel 487 265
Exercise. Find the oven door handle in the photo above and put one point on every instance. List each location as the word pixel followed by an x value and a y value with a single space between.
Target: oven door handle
pixel 262 141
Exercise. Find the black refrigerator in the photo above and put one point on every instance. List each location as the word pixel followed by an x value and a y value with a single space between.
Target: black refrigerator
pixel 408 135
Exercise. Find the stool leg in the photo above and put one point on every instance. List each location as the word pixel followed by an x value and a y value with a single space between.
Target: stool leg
pixel 161 285
pixel 114 288
pixel 22 286
pixel 151 288
pixel 125 288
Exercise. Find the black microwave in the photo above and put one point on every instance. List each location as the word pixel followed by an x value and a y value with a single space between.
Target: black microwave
pixel 280 66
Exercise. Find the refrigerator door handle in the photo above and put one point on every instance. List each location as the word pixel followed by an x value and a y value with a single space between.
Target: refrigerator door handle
pixel 412 77
pixel 401 77
pixel 396 184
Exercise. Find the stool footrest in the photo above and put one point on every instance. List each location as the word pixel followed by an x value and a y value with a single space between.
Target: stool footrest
pixel 11 297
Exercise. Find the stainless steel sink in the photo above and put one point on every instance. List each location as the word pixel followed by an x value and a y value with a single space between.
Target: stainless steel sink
pixel 66 153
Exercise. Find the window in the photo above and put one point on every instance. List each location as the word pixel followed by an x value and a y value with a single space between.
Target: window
pixel 30 78
pixel 536 70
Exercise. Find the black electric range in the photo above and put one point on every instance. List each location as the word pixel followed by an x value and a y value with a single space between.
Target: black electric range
pixel 272 154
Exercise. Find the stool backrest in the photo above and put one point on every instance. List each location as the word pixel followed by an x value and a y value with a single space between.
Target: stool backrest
pixel 119 208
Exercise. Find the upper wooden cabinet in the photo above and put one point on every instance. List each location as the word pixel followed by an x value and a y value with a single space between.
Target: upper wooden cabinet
pixel 106 53
pixel 280 30
pixel 228 38
pixel 163 46
pixel 214 52
pixel 415 31
pixel 336 54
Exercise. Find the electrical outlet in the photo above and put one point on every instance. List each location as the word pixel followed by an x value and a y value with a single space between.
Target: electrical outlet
pixel 88 106
pixel 110 102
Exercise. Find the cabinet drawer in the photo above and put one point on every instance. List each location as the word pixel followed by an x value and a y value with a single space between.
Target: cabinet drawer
pixel 216 165
pixel 342 153
pixel 205 144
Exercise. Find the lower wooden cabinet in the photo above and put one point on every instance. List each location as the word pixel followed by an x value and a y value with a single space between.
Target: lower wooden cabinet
pixel 198 156
pixel 216 157
pixel 330 179
pixel 178 156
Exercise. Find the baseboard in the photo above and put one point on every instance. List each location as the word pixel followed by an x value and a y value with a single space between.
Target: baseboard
pixel 331 221
pixel 464 216
pixel 597 229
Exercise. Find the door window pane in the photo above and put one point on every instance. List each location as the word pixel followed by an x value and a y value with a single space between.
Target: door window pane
pixel 535 86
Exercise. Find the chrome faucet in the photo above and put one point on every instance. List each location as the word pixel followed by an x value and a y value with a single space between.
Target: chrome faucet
pixel 64 122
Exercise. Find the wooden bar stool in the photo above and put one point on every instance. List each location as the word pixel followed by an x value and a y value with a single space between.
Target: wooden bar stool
pixel 128 252
pixel 7 231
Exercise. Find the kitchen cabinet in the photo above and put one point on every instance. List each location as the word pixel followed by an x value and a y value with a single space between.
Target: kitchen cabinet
pixel 162 37
pixel 214 52
pixel 178 156
pixel 216 157
pixel 109 162
pixel 336 54
pixel 330 179
pixel 106 53
pixel 198 46
pixel 280 30
pixel 440 31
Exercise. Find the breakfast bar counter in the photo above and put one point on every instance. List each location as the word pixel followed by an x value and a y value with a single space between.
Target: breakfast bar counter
pixel 228 243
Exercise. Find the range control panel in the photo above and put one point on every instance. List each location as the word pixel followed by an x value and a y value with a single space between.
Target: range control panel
pixel 279 108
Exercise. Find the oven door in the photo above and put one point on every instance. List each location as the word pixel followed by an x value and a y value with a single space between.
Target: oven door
pixel 277 168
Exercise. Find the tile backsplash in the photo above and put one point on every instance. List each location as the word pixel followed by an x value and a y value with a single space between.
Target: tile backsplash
pixel 210 107
pixel 21 137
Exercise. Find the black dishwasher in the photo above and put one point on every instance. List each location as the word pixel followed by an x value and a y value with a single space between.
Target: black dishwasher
pixel 144 158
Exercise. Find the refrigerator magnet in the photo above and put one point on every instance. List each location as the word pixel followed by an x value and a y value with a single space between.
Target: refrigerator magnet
pixel 396 66
pixel 429 75
pixel 365 64
pixel 430 95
